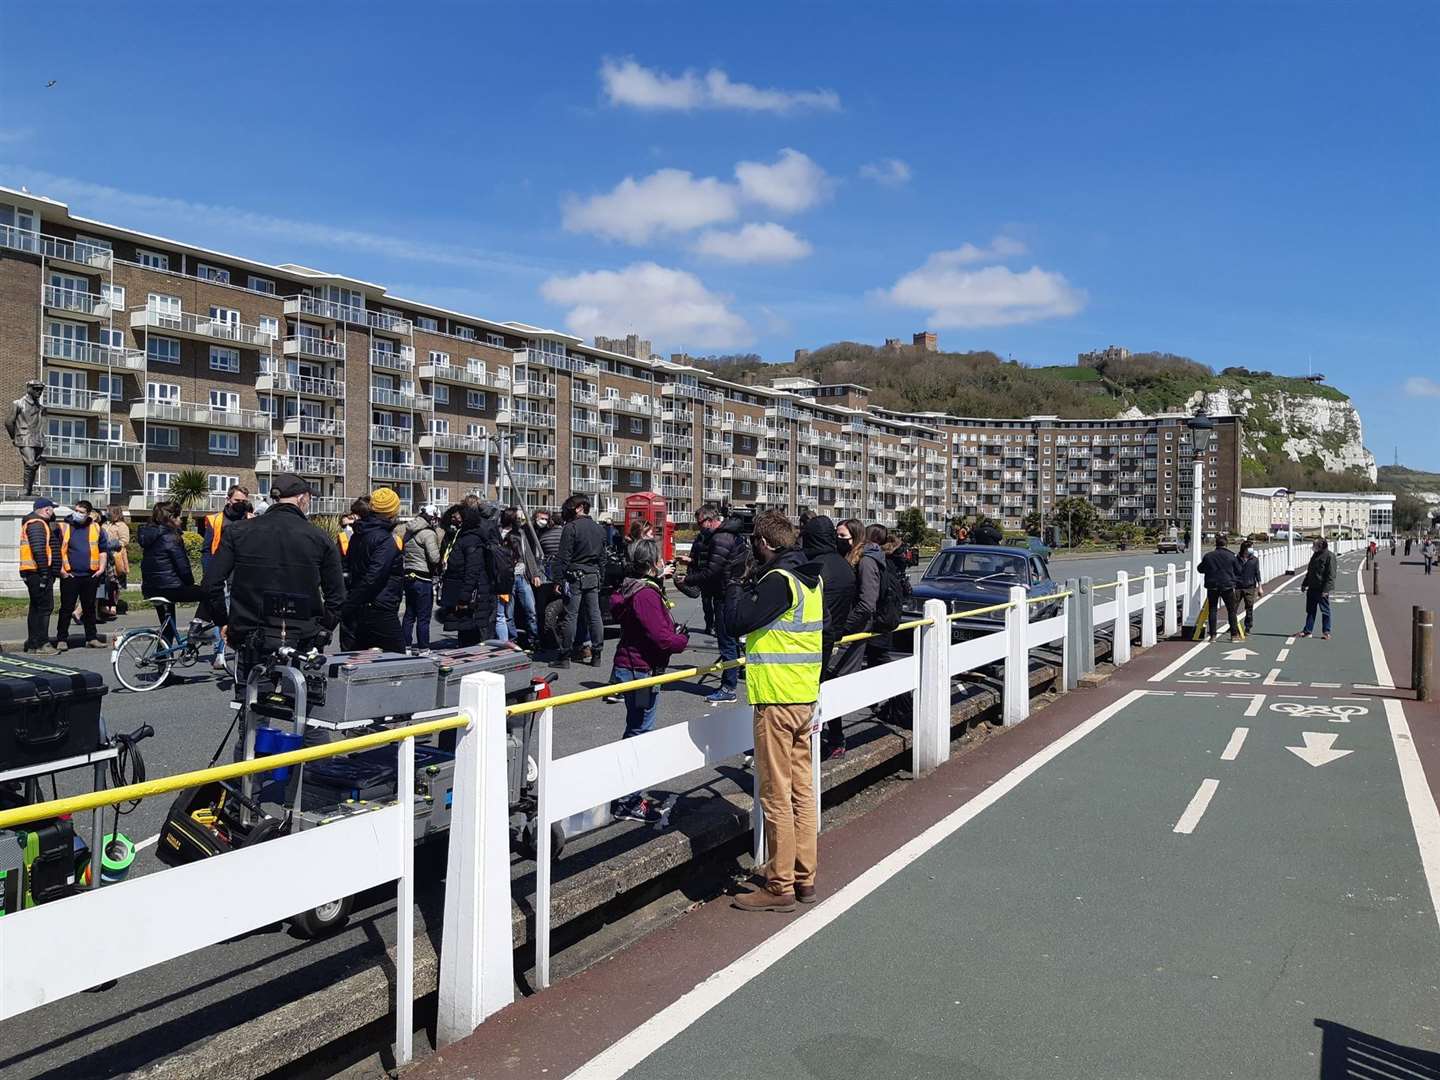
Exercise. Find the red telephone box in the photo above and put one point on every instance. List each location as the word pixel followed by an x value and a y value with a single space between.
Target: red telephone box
pixel 649 506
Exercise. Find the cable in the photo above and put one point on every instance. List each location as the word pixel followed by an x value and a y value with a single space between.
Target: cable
pixel 128 765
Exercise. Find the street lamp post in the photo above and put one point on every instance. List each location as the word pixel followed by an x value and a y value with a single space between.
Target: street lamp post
pixel 1202 430
pixel 1322 521
pixel 1290 531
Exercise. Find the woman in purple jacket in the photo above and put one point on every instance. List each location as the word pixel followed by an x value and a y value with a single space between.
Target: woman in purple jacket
pixel 648 638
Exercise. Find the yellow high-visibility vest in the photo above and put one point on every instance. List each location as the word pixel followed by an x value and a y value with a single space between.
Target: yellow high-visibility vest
pixel 783 660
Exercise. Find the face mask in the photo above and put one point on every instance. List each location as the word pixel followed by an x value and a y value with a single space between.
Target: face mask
pixel 80 518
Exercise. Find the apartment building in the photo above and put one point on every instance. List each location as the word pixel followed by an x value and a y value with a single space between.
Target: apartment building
pixel 159 356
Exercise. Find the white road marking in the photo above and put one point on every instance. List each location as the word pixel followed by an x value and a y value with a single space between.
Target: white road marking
pixel 1289 641
pixel 1271 680
pixel 1198 805
pixel 629 1050
pixel 1161 693
pixel 1326 685
pixel 1282 656
pixel 143 844
pixel 1424 816
pixel 1232 748
pixel 1240 654
pixel 1319 748
pixel 1256 701
pixel 1382 669
pixel 1351 699
pixel 1200 693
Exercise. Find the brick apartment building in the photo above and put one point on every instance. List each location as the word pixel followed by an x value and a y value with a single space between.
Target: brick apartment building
pixel 160 356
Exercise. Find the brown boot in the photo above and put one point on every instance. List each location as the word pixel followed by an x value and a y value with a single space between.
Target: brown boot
pixel 764 900
pixel 805 894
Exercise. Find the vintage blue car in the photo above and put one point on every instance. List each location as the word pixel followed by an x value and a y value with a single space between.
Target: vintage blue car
pixel 970 576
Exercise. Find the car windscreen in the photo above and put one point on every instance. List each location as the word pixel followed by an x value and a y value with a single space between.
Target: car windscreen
pixel 977 564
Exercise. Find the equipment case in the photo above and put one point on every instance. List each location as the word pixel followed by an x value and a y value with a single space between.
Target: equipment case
pixel 372 685
pixel 47 711
pixel 452 665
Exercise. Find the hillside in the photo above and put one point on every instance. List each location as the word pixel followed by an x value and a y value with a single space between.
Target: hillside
pixel 1297 433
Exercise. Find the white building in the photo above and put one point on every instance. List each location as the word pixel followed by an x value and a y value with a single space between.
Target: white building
pixel 1363 513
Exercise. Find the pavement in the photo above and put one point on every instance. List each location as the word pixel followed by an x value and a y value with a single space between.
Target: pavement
pixel 167 1009
pixel 1224 863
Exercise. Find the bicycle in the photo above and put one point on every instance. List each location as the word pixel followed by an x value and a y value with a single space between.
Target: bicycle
pixel 143 658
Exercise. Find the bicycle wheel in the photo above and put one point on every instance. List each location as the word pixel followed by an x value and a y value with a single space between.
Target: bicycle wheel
pixel 141 661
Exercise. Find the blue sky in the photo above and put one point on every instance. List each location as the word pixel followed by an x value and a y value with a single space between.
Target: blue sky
pixel 1246 184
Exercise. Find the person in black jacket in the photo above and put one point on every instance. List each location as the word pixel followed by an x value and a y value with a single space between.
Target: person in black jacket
pixel 165 568
pixel 370 616
pixel 1248 588
pixel 470 585
pixel 578 563
pixel 284 574
pixel 40 564
pixel 729 553
pixel 708 520
pixel 1318 583
pixel 837 576
pixel 1222 574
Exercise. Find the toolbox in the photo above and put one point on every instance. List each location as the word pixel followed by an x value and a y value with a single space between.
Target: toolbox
pixel 340 786
pixel 47 711
pixel 49 858
pixel 370 685
pixel 452 665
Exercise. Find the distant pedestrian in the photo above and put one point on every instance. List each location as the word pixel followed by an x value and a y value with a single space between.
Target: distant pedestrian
pixel 727 555
pixel 1427 550
pixel 420 564
pixel 82 569
pixel 698 560
pixel 370 614
pixel 648 639
pixel 1221 570
pixel 117 532
pixel 39 567
pixel 1408 542
pixel 1249 586
pixel 1318 583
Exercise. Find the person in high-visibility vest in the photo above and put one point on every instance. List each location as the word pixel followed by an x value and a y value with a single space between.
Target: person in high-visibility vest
pixel 39 561
pixel 237 508
pixel 82 569
pixel 779 606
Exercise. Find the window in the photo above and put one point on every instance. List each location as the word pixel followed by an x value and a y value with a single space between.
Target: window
pixel 157 484
pixel 473 465
pixel 225 316
pixel 441 462
pixel 212 273
pixel 225 443
pixel 162 350
pixel 223 359
pixel 260 284
pixel 265 446
pixel 439 359
pixel 465 332
pixel 160 437
pixel 113 339
pixel 114 296
pixel 440 495
pixel 439 427
pixel 475 399
pixel 474 431
pixel 110 385
pixel 162 393
pixel 100 482
pixel 424 322
pixel 267 404
pixel 442 395
pixel 221 485
pixel 269 324
pixel 155 260
pixel 498 340
pixel 224 400
pixel 636 478
pixel 110 431
pixel 637 426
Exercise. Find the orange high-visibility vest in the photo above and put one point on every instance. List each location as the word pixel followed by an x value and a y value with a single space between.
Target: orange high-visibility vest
pixel 343 539
pixel 27 557
pixel 216 521
pixel 94 547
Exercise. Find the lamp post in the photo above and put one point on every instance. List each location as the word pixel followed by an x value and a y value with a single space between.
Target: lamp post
pixel 1202 431
pixel 1322 521
pixel 1290 531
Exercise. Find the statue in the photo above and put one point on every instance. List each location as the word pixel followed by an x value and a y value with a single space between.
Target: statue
pixel 26 427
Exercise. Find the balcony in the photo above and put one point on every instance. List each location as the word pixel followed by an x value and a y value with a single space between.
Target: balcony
pixel 287 382
pixel 465 444
pixel 782 412
pixel 629 461
pixel 690 390
pixel 76 254
pixel 533 481
pixel 590 427
pixel 393 434
pixel 67 399
pixel 681 493
pixel 584 397
pixel 588 484
pixel 534 451
pixel 534 388
pixel 77 304
pixel 401 359
pixel 740 472
pixel 580 457
pixel 403 472
pixel 19 239
pixel 832 442
pixel 628 406
pixel 188 324
pixel 716 494
pixel 329 504
pixel 672 441
pixel 677 416
pixel 312 307
pixel 558 362
pixel 321 427
pixel 123 453
pixel 196 414
pixel 530 418
pixel 400 399
pixel 314 348
pixel 89 354
pixel 389 324
pixel 716 446
pixel 465 376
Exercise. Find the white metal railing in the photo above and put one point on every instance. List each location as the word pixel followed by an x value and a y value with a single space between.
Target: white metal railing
pixel 389 324
pixel 330 310
pixel 538 388
pixel 465 376
pixel 398 399
pixel 558 361
pixel 92 354
pixel 394 470
pixel 584 397
pixel 197 413
pixel 469 444
pixel 73 399
pixel 288 381
pixel 77 301
pixel 189 323
pixel 78 252
pixel 531 418
pixel 391 433
pixel 536 451
pixel 57 446
pixel 628 406
pixel 19 239
pixel 317 348
pixel 308 465
pixel 589 427
pixel 324 427
pixel 401 359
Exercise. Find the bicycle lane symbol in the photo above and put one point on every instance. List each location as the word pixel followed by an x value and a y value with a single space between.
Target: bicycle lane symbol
pixel 1208 672
pixel 1336 714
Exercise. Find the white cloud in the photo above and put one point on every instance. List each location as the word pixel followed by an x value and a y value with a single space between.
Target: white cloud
pixel 627 82
pixel 671 305
pixel 753 243
pixel 892 172
pixel 792 184
pixel 1420 386
pixel 956 296
pixel 671 200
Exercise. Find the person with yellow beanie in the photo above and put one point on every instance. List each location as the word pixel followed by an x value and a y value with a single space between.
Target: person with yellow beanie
pixel 370 616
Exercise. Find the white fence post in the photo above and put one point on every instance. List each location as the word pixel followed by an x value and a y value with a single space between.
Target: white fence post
pixel 930 739
pixel 477 975
pixel 1072 634
pixel 1066 642
pixel 1171 626
pixel 1147 613
pixel 1086 645
pixel 1191 608
pixel 544 752
pixel 405 912
pixel 1120 638
pixel 1016 706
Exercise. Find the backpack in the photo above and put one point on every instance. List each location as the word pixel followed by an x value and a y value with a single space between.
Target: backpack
pixel 890 604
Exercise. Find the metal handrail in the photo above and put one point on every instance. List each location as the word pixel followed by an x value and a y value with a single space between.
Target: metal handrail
pixel 76 804
pixel 979 611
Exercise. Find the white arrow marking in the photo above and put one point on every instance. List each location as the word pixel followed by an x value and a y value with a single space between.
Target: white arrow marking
pixel 1240 654
pixel 1318 750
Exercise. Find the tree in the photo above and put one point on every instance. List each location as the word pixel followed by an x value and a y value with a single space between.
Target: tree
pixel 1031 524
pixel 1077 517
pixel 190 488
pixel 1410 512
pixel 913 528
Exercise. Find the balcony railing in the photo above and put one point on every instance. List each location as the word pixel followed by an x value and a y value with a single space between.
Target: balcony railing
pixel 314 307
pixel 588 484
pixel 57 446
pixel 533 481
pixel 71 399
pixel 557 361
pixel 583 457
pixel 91 354
pixel 394 470
pixel 465 376
pixel 689 390
pixel 531 418
pixel 306 466
pixel 629 406
pixel 77 302
pixel 190 324
pixel 76 253
pixel 289 382
pixel 401 359
pixel 532 451
pixel 389 324
pixel 673 441
pixel 323 427
pixel 630 461
pixel 445 440
pixel 590 427
pixel 584 397
pixel 197 414
pixel 400 399
pixel 391 433
pixel 19 239
pixel 534 388
pixel 317 348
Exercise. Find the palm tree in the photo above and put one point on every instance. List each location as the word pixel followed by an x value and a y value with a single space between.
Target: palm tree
pixel 190 488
